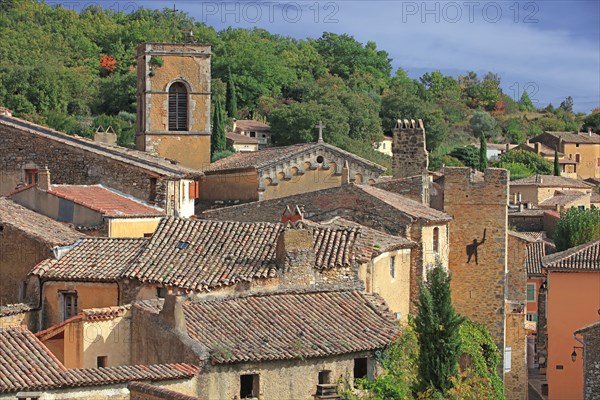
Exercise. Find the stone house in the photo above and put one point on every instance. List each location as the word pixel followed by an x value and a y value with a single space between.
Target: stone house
pixel 253 129
pixel 568 166
pixel 369 206
pixel 31 371
pixel 385 146
pixel 26 238
pixel 283 171
pixel 563 200
pixel 94 338
pixel 591 356
pixel 19 314
pixel 93 209
pixel 572 301
pixel 27 148
pixel 286 345
pixel 581 147
pixel 537 188
pixel 241 143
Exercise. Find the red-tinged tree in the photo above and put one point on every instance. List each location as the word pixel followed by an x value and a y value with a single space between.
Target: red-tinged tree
pixel 108 63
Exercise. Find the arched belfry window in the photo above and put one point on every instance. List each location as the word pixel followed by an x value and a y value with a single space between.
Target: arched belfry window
pixel 178 107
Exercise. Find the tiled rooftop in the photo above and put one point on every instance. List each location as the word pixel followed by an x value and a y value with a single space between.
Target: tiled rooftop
pixel 14 309
pixel 137 158
pixel 158 392
pixel 26 364
pixel 93 259
pixel 563 198
pixel 31 223
pixel 551 181
pixel 105 313
pixel 251 125
pixel 536 250
pixel 103 200
pixel 203 254
pixel 290 325
pixel 576 137
pixel 585 257
pixel 274 155
pixel 406 205
pixel 237 138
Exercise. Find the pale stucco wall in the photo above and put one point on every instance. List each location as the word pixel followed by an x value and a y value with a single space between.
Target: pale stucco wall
pixel 295 379
pixel 310 181
pixel 245 147
pixel 588 166
pixel 132 227
pixel 107 338
pixel 232 186
pixel 430 257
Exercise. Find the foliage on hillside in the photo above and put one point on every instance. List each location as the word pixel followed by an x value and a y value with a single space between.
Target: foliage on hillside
pixel 72 71
pixel 577 227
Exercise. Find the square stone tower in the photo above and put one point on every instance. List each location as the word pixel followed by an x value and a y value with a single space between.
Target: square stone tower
pixel 173 102
pixel 478 245
pixel 410 156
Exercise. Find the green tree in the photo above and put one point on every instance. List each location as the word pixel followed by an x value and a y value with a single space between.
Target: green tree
pixel 525 103
pixel 482 123
pixel 517 170
pixel 218 140
pixel 482 153
pixel 592 121
pixel 567 105
pixel 556 163
pixel 534 162
pixel 437 326
pixel 576 227
pixel 468 155
pixel 514 129
pixel 232 109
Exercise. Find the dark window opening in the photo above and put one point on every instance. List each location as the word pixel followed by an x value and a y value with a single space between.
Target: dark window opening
pixel 178 107
pixel 324 377
pixel 182 245
pixel 360 368
pixel 152 197
pixel 148 234
pixel 161 292
pixel 249 386
pixel 393 267
pixel 31 176
pixel 101 361
pixel 320 159
pixel 436 240
pixel 69 305
pixel 252 134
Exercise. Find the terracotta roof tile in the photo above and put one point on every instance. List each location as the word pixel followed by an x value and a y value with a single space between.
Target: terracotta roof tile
pixel 551 181
pixel 14 309
pixel 158 392
pixel 26 364
pixel 203 254
pixel 406 205
pixel 251 125
pixel 576 137
pixel 93 259
pixel 274 155
pixel 585 257
pixel 105 313
pixel 237 138
pixel 43 228
pixel 290 325
pixel 103 200
pixel 536 251
pixel 562 198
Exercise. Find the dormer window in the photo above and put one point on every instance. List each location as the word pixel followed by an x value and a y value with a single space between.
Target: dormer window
pixel 182 245
pixel 178 107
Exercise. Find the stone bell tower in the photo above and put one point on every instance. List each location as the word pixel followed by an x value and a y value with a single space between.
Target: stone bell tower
pixel 173 102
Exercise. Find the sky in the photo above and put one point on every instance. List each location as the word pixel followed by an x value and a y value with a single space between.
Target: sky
pixel 549 48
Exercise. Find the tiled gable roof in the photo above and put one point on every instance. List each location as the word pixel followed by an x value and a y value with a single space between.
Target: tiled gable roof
pixel 585 257
pixel 551 181
pixel 237 138
pixel 290 325
pixel 251 125
pixel 275 155
pixel 36 225
pixel 14 309
pixel 103 200
pixel 536 251
pixel 26 364
pixel 407 206
pixel 158 392
pixel 574 137
pixel 93 259
pixel 105 313
pixel 141 159
pixel 203 254
pixel 563 198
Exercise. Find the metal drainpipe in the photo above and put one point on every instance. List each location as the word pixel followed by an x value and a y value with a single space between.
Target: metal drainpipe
pixel 585 397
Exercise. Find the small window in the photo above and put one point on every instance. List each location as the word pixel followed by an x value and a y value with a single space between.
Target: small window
pixel 383 145
pixel 436 240
pixel 31 176
pixel 101 361
pixel 531 292
pixel 576 144
pixel 320 159
pixel 161 292
pixel 182 245
pixel 249 386
pixel 581 207
pixel 152 194
pixel 194 190
pixel 577 157
pixel 393 267
pixel 178 107
pixel 148 234
pixel 324 377
pixel 252 134
pixel 360 368
pixel 532 317
pixel 69 305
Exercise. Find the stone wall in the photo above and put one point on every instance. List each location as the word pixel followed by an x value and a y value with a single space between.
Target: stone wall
pixel 591 338
pixel 478 204
pixel 415 188
pixel 516 380
pixel 410 156
pixel 517 273
pixel 71 165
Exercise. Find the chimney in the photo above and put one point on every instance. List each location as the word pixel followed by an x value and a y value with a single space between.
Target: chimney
pixel 44 179
pixel 527 142
pixel 507 148
pixel 172 312
pixel 5 112
pixel 292 214
pixel 409 153
pixel 295 255
pixel 589 131
pixel 345 173
pixel 537 147
pixel 519 198
pixel 529 205
pixel 520 207
pixel 107 136
pixel 234 127
pixel 514 199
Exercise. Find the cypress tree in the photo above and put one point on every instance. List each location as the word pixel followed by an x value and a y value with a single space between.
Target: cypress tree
pixel 437 325
pixel 231 97
pixel 556 163
pixel 482 152
pixel 218 140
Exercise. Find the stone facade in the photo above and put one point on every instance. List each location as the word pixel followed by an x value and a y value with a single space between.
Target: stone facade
pixel 591 368
pixel 410 156
pixel 516 380
pixel 478 245
pixel 160 65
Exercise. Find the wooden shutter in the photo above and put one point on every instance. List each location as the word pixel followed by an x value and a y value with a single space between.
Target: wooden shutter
pixel 194 190
pixel 178 106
